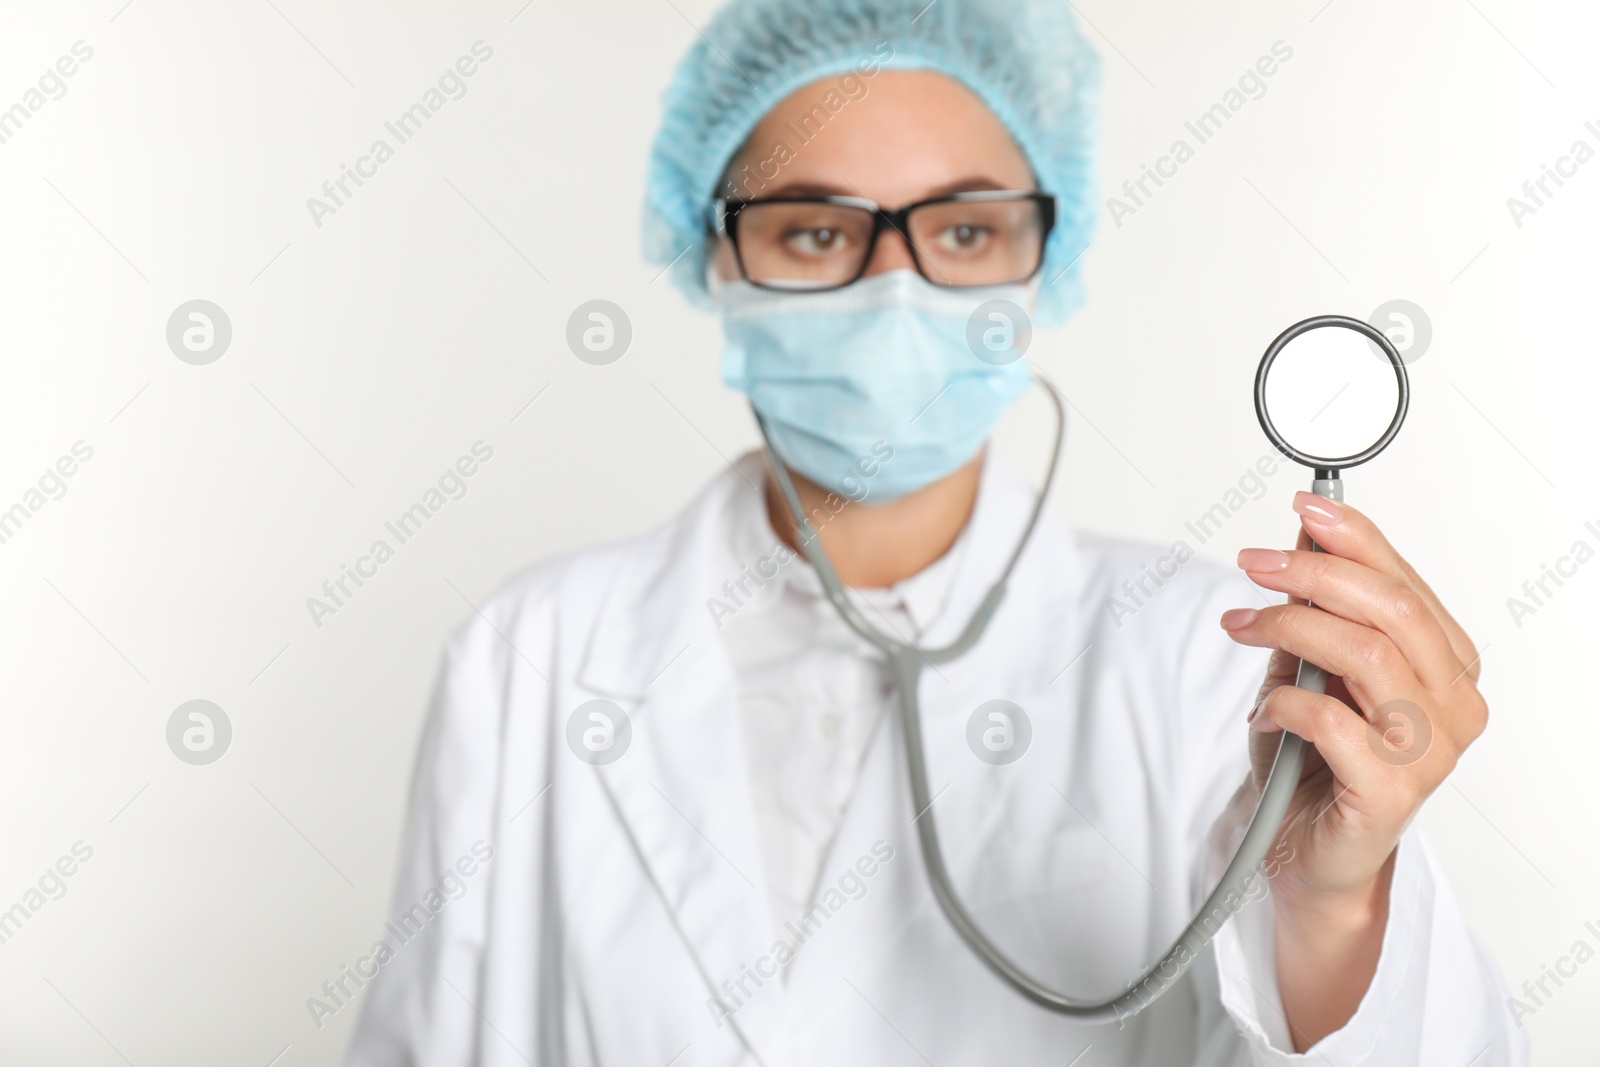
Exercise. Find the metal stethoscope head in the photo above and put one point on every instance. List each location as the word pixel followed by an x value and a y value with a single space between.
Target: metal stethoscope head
pixel 1328 467
pixel 906 662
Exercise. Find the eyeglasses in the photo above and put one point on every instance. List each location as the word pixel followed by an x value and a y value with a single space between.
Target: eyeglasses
pixel 987 237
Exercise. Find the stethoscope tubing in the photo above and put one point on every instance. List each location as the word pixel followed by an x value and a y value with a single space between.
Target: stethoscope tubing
pixel 905 662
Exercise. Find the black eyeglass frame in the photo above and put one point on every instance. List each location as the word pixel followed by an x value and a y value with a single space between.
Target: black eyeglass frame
pixel 725 223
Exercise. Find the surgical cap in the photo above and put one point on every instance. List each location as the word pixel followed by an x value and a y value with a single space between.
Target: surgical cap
pixel 1024 58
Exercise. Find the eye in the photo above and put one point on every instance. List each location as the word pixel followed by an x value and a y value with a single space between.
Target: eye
pixel 816 242
pixel 964 237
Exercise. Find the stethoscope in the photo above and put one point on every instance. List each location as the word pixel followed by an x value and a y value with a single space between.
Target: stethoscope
pixel 906 662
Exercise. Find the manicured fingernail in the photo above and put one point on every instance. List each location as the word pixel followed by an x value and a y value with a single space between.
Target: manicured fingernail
pixel 1318 509
pixel 1238 618
pixel 1259 722
pixel 1262 559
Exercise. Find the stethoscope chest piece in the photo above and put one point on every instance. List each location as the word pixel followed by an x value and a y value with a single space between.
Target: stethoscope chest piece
pixel 1328 467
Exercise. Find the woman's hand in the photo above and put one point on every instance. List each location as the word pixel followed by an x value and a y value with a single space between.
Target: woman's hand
pixel 1402 705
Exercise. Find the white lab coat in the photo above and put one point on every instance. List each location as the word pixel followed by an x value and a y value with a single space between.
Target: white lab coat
pixel 621 898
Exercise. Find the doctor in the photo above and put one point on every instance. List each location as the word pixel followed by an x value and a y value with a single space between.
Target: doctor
pixel 681 766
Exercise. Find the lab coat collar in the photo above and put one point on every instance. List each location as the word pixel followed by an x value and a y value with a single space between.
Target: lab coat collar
pixel 659 617
pixel 663 605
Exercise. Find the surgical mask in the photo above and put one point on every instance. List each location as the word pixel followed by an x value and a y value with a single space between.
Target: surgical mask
pixel 874 390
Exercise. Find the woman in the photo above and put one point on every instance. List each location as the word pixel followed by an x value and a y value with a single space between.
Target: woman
pixel 703 845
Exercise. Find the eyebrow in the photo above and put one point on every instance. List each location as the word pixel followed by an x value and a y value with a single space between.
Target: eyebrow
pixel 970 184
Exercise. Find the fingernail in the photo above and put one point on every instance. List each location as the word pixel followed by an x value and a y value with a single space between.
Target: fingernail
pixel 1238 618
pixel 1256 710
pixel 1260 723
pixel 1262 559
pixel 1318 509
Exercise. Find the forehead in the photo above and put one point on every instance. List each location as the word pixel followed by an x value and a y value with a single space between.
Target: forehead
pixel 895 136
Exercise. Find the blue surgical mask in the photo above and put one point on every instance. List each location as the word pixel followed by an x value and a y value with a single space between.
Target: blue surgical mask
pixel 876 390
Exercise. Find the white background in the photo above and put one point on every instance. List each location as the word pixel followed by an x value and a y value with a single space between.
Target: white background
pixel 368 354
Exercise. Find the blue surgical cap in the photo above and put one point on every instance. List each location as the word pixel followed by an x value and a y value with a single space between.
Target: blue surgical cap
pixel 1024 58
